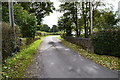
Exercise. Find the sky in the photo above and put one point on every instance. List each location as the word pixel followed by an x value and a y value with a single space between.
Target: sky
pixel 52 19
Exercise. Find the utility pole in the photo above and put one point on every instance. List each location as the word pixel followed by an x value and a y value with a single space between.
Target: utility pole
pixel 11 19
pixel 119 9
pixel 91 19
pixel 119 13
pixel 11 15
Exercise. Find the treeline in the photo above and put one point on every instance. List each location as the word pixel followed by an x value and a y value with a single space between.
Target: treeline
pixel 77 17
pixel 46 28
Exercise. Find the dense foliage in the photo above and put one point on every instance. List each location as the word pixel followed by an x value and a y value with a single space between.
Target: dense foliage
pixel 9 40
pixel 107 42
pixel 28 16
pixel 77 17
pixel 70 13
pixel 26 22
pixel 5 12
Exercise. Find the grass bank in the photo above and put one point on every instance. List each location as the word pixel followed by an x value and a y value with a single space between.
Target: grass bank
pixel 15 66
pixel 110 62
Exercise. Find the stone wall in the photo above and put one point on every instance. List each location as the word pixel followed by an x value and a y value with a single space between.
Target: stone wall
pixel 86 43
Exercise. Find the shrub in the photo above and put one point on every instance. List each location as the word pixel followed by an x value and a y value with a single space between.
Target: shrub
pixel 29 41
pixel 107 42
pixel 8 39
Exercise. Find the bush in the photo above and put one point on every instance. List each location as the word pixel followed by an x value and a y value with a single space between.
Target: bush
pixel 8 39
pixel 29 41
pixel 107 42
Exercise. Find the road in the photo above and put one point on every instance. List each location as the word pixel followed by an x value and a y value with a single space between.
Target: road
pixel 61 62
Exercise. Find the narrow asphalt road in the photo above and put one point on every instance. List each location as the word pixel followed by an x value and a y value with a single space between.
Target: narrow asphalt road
pixel 61 62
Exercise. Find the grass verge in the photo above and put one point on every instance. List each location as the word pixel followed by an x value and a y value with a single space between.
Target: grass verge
pixel 15 66
pixel 110 62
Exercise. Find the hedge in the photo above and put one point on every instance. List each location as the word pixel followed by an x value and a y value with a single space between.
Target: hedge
pixel 107 42
pixel 8 39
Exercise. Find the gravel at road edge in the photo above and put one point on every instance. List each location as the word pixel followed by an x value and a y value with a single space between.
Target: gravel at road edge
pixel 35 69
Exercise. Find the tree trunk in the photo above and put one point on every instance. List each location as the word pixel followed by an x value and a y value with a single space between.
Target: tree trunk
pixel 85 19
pixel 76 18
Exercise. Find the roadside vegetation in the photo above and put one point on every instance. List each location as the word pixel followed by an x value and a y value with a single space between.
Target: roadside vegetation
pixel 101 28
pixel 15 66
pixel 20 42
pixel 110 62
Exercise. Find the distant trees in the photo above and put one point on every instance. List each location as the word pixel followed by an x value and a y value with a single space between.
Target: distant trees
pixel 45 28
pixel 54 29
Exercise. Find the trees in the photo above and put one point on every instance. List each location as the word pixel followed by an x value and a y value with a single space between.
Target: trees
pixel 109 19
pixel 70 10
pixel 5 12
pixel 54 29
pixel 65 23
pixel 45 28
pixel 29 28
pixel 79 14
pixel 26 16
pixel 27 22
pixel 24 11
pixel 39 27
pixel 104 19
pixel 41 9
pixel 87 16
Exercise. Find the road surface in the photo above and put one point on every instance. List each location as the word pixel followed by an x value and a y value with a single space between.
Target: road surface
pixel 61 62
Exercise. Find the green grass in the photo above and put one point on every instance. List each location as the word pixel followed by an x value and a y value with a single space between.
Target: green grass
pixel 60 38
pixel 15 66
pixel 110 62
pixel 41 31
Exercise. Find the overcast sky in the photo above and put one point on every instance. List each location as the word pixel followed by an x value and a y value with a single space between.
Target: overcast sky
pixel 52 19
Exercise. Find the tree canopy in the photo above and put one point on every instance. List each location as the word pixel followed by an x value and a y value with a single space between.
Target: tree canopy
pixel 77 17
